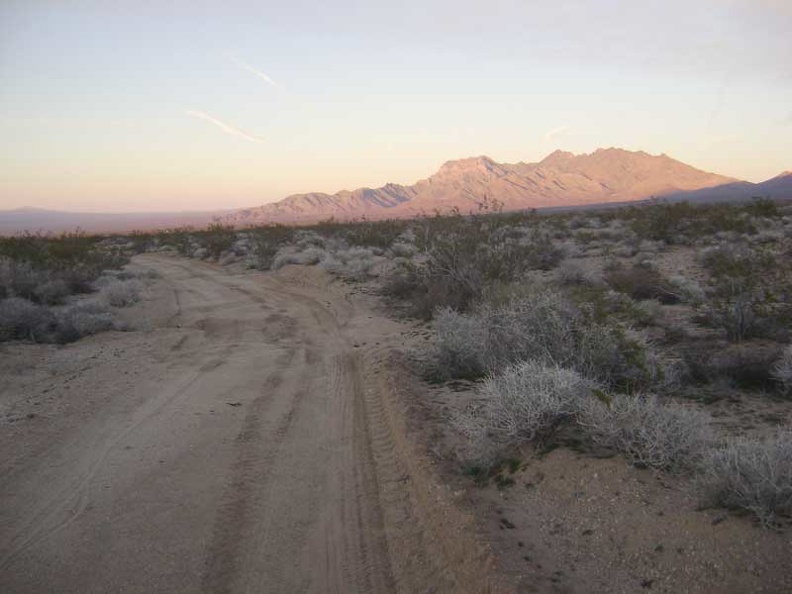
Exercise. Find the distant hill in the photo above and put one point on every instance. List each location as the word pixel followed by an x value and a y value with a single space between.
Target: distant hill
pixel 777 188
pixel 36 220
pixel 562 179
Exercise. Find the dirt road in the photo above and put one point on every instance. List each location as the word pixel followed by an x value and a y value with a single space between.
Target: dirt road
pixel 240 444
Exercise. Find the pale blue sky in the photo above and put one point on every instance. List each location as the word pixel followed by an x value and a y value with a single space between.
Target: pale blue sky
pixel 198 105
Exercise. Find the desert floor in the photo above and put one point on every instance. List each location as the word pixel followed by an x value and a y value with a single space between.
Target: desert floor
pixel 243 439
pixel 265 432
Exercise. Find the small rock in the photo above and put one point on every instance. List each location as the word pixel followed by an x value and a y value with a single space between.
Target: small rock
pixel 506 524
pixel 718 519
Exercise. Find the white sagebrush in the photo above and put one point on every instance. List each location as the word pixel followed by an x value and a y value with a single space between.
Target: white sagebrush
pixel 25 320
pixel 752 474
pixel 782 370
pixel 292 255
pixel 523 402
pixel 122 293
pixel 654 433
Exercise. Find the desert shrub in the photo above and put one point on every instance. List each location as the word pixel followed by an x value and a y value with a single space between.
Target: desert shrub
pixel 353 263
pixel 750 474
pixel 378 234
pixel 52 292
pixel 83 319
pixel 21 319
pixel 782 371
pixel 684 223
pixel 545 326
pixel 641 282
pixel 293 255
pixel 571 272
pixel 763 207
pixel 266 243
pixel 402 248
pixel 748 365
pixel 663 222
pixel 462 342
pixel 524 402
pixel 29 261
pixel 750 294
pixel 624 360
pixel 122 293
pixel 459 256
pixel 20 279
pixel 182 239
pixel 688 289
pixel 653 433
pixel 217 238
pixel 539 326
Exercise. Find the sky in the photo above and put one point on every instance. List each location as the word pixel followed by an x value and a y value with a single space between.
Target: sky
pixel 189 105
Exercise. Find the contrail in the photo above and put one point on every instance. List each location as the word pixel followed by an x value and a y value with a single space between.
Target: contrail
pixel 225 127
pixel 550 134
pixel 252 70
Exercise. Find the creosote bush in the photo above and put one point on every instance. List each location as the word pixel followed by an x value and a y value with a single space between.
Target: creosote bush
pixel 266 243
pixel 750 293
pixel 459 256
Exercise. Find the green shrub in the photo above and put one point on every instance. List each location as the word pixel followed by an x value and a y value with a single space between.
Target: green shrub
pixel 266 243
pixel 458 257
pixel 750 294
pixel 217 238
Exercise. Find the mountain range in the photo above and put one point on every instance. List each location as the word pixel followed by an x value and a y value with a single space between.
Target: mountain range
pixel 561 179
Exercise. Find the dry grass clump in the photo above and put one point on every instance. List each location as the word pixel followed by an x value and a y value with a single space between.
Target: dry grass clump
pixel 750 474
pixel 651 432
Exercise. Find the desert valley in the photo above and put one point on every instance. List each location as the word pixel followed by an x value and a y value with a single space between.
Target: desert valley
pixel 396 298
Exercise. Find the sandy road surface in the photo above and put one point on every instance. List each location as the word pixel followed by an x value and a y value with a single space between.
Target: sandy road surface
pixel 239 445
